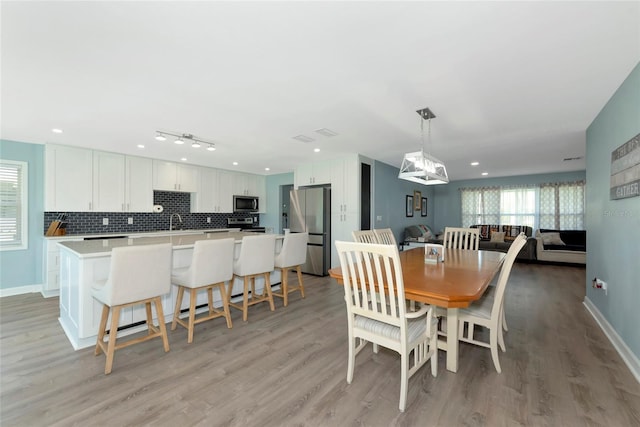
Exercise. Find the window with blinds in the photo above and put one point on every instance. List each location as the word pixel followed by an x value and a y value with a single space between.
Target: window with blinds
pixel 13 205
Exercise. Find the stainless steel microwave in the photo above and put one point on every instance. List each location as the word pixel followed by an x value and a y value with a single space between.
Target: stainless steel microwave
pixel 246 203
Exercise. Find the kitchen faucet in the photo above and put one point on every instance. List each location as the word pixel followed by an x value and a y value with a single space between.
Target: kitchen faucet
pixel 171 220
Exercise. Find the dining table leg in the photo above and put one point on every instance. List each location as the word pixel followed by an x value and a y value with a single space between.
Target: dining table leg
pixel 452 339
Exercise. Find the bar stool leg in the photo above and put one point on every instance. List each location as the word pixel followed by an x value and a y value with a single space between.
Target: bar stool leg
pixel 299 271
pixel 192 314
pixel 102 329
pixel 163 328
pixel 267 285
pixel 113 332
pixel 176 312
pixel 225 305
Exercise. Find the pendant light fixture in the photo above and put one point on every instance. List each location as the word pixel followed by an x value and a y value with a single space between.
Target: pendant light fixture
pixel 420 166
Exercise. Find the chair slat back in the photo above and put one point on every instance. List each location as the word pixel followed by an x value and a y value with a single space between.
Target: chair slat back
pixel 364 236
pixel 501 285
pixel 373 281
pixel 461 238
pixel 385 236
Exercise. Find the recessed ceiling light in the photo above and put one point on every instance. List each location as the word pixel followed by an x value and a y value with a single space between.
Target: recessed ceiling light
pixel 55 130
pixel 235 163
pixel 316 150
pixel 475 163
pixel 140 146
pixel 184 159
pixel 485 173
pixel 267 169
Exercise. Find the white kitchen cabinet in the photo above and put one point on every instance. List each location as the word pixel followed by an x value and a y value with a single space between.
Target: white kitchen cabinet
pixel 51 268
pixel 315 173
pixel 138 190
pixel 224 191
pixel 69 179
pixel 169 176
pixel 206 193
pixel 345 201
pixel 108 182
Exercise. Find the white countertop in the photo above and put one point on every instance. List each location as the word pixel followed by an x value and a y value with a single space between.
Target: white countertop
pixel 136 234
pixel 179 240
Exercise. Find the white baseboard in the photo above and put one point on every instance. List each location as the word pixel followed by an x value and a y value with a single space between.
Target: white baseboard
pixel 630 359
pixel 19 290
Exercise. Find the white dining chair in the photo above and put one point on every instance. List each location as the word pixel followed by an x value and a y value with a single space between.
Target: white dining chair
pixel 364 236
pixel 137 275
pixel 211 267
pixel 256 259
pixel 292 255
pixel 374 295
pixel 487 312
pixel 461 238
pixel 385 236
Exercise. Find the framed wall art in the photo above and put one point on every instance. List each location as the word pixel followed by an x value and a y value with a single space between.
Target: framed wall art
pixel 423 207
pixel 417 196
pixel 409 206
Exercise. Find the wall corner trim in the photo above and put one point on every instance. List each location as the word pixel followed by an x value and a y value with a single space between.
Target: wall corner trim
pixel 630 359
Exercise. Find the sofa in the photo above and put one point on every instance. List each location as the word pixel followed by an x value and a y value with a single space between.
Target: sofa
pixel 419 233
pixel 499 238
pixel 568 246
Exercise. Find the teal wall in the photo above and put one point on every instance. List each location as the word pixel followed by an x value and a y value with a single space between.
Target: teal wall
pixel 448 207
pixel 24 267
pixel 614 225
pixel 389 194
pixel 271 219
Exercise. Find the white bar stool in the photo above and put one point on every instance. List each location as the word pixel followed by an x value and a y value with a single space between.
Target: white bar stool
pixel 292 255
pixel 256 259
pixel 138 275
pixel 211 266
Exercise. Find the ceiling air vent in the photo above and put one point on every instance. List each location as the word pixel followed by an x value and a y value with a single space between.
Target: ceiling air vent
pixel 326 132
pixel 568 159
pixel 303 138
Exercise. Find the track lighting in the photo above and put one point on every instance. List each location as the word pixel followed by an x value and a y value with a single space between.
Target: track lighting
pixel 182 137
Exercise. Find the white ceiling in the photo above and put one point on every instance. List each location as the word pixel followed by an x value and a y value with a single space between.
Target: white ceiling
pixel 514 85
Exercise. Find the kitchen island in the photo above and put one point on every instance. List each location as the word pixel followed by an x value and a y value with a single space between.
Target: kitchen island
pixel 83 263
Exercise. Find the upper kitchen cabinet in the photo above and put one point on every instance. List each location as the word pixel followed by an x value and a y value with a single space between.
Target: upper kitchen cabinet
pixel 215 191
pixel 345 185
pixel 169 176
pixel 138 190
pixel 121 183
pixel 312 174
pixel 68 183
pixel 108 182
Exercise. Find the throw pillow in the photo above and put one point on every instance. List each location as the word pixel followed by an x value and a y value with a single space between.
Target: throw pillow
pixel 497 236
pixel 551 239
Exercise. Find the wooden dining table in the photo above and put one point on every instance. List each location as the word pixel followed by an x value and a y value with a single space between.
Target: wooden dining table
pixel 461 279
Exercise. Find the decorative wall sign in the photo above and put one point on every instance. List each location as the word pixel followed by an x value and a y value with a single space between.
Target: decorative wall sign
pixel 409 206
pixel 423 209
pixel 625 170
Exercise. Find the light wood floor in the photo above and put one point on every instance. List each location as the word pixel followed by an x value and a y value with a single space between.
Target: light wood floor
pixel 288 368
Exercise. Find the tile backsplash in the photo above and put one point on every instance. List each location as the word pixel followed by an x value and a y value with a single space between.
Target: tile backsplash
pixel 172 202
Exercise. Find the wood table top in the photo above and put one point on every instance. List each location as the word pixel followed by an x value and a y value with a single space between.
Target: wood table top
pixel 457 282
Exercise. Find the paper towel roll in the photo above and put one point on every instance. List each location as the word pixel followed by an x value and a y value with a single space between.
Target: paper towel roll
pixel 158 208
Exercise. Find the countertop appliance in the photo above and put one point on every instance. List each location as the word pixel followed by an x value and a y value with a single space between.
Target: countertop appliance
pixel 246 224
pixel 310 210
pixel 246 204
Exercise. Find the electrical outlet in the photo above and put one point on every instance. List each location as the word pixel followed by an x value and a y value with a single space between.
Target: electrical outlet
pixel 379 218
pixel 105 221
pixel 600 284
pixel 208 220
pixel 130 220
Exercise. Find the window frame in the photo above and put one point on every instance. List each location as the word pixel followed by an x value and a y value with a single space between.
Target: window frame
pixel 23 242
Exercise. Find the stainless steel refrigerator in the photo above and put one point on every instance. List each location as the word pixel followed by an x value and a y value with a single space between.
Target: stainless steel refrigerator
pixel 310 210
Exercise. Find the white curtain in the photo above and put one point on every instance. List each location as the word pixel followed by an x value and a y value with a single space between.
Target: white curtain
pixel 480 206
pixel 562 205
pixel 557 206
